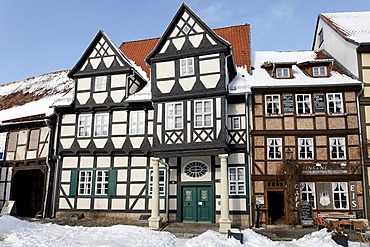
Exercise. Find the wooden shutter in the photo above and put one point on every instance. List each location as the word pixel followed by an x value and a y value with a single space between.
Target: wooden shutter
pixel 112 183
pixel 73 183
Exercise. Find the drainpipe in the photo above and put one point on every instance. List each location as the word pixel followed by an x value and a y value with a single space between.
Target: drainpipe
pixel 54 192
pixel 362 152
pixel 47 121
pixel 167 204
pixel 249 150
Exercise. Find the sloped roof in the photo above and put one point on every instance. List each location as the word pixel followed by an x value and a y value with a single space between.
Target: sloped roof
pixel 354 26
pixel 243 82
pixel 238 36
pixel 33 97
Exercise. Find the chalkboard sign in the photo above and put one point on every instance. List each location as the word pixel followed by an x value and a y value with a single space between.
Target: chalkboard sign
pixel 306 214
pixel 359 215
pixel 288 103
pixel 319 103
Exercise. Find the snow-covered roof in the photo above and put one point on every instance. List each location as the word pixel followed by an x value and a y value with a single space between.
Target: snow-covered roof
pixel 353 25
pixel 144 94
pixel 35 96
pixel 243 82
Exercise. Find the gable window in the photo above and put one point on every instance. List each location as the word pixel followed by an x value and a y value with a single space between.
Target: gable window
pixel 100 83
pixel 235 123
pixel 101 124
pixel 305 146
pixel 174 116
pixel 337 148
pixel 282 73
pixel 272 104
pixel 203 114
pixel 84 125
pixel 162 182
pixel 340 195
pixel 137 119
pixel 303 103
pixel 274 148
pixel 237 181
pixel 308 193
pixel 85 183
pixel 187 66
pixel 319 71
pixel 334 102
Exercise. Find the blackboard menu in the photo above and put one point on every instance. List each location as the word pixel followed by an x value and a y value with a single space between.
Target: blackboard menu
pixel 319 103
pixel 288 103
pixel 359 215
pixel 306 214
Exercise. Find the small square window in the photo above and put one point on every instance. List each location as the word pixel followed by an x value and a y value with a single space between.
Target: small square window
pixel 235 123
pixel 282 73
pixel 319 71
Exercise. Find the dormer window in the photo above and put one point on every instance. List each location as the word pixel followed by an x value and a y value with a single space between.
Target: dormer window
pixel 282 73
pixel 319 71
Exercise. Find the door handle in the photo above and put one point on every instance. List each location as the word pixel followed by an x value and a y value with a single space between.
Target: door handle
pixel 200 203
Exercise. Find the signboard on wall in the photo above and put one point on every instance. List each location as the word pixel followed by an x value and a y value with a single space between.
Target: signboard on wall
pixel 353 195
pixel 288 103
pixel 2 145
pixel 319 103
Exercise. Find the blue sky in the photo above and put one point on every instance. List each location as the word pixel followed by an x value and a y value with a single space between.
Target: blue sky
pixel 43 36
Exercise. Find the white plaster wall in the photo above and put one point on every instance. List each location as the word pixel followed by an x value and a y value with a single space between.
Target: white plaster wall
pixel 83 203
pixel 83 84
pixel 67 131
pixel 205 159
pixel 118 80
pixel 99 98
pixel 209 66
pixel 119 116
pixel 117 95
pixel 138 175
pixel 121 189
pixel 121 175
pixel 83 143
pixel 31 154
pixel 236 158
pixel 165 86
pixel 135 189
pixel 118 142
pixel 66 176
pixel 83 97
pixel 69 119
pixel 138 161
pixel 70 162
pixel 172 204
pixel 140 204
pixel 102 162
pixel 118 204
pixel 365 57
pixel 63 203
pixel 44 134
pixel 86 162
pixel 165 69
pixel 118 129
pixel 101 203
pixel 136 141
pixel 100 143
pixel 237 204
pixel 235 109
pixel 66 142
pixel 120 161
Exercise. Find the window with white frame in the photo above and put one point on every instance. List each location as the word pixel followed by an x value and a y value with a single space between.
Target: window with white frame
pixel 235 123
pixel 282 73
pixel 174 116
pixel 308 193
pixel 337 148
pixel 274 148
pixel 137 119
pixel 319 71
pixel 101 182
pixel 272 104
pixel 334 102
pixel 101 124
pixel 303 103
pixel 84 125
pixel 187 66
pixel 85 182
pixel 203 113
pixel 305 146
pixel 100 83
pixel 340 195
pixel 237 181
pixel 162 182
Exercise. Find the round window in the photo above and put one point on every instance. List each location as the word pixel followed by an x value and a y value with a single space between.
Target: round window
pixel 195 169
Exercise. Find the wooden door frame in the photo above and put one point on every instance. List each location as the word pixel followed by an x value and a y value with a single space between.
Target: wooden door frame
pixel 180 187
pixel 285 203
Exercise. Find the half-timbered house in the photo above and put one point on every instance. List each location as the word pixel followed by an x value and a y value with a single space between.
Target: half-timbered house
pixel 175 145
pixel 304 107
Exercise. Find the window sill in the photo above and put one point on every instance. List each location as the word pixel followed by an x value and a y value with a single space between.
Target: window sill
pixel 305 115
pixel 340 114
pixel 274 115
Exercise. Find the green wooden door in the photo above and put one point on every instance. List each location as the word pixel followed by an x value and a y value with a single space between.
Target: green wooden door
pixel 204 204
pixel 189 204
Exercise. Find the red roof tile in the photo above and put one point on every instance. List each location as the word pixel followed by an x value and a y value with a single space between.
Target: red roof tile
pixel 238 37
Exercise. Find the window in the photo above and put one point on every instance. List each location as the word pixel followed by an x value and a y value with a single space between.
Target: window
pixel 272 104
pixel 282 73
pixel 100 83
pixel 162 182
pixel 305 146
pixel 340 195
pixel 85 183
pixel 101 182
pixel 173 116
pixel 303 102
pixel 337 148
pixel 235 123
pixel 308 193
pixel 101 124
pixel 319 71
pixel 203 113
pixel 12 142
pixel 196 169
pixel 137 122
pixel 34 140
pixel 274 148
pixel 237 181
pixel 334 102
pixel 84 125
pixel 187 66
pixel 321 37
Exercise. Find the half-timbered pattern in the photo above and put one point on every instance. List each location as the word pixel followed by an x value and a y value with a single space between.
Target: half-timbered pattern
pixel 308 108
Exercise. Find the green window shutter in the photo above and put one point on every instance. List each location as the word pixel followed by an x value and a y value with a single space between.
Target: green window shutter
pixel 112 183
pixel 73 183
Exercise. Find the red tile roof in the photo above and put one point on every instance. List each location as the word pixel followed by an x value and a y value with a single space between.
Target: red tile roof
pixel 238 37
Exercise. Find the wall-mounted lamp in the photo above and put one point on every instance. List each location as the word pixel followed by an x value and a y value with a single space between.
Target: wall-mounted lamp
pixel 289 154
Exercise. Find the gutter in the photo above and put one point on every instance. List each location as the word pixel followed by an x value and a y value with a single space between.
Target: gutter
pixel 167 204
pixel 54 192
pixel 249 150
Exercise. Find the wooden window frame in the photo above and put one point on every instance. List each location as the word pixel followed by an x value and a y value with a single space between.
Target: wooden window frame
pixel 334 148
pixel 319 72
pixel 274 100
pixel 100 84
pixel 308 193
pixel 236 182
pixel 333 103
pixel 340 193
pixel 103 184
pixel 187 66
pixel 305 146
pixel 101 128
pixel 303 102
pixel 277 148
pixel 137 122
pixel 283 73
pixel 203 114
pixel 172 117
pixel 86 125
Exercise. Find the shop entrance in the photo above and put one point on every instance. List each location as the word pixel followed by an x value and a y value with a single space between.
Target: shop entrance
pixel 276 212
pixel 27 192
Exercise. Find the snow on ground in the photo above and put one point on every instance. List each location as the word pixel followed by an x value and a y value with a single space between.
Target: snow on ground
pixel 15 232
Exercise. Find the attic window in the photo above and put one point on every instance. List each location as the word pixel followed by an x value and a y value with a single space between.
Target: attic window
pixel 319 71
pixel 282 73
